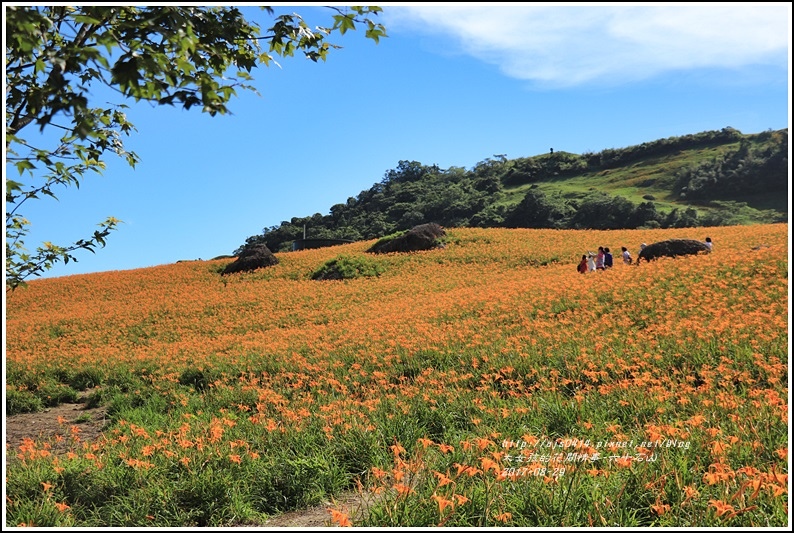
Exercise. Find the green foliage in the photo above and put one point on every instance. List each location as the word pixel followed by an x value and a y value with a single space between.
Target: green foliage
pixel 22 401
pixel 86 378
pixel 52 394
pixel 751 168
pixel 389 238
pixel 197 378
pixel 348 267
pixel 165 55
pixel 608 189
pixel 537 210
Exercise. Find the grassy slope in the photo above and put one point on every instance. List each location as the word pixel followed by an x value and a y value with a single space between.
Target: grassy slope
pixel 654 176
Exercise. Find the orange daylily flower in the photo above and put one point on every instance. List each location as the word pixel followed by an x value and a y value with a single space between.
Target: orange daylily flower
pixel 443 503
pixel 340 518
pixel 403 490
pixel 442 479
pixel 721 507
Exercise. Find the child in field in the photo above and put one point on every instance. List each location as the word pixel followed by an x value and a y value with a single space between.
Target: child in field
pixel 708 243
pixel 582 268
pixel 607 258
pixel 591 264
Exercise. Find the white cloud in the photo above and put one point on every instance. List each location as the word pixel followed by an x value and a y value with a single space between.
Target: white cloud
pixel 566 45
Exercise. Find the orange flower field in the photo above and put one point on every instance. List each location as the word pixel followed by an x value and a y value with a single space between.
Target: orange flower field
pixel 486 383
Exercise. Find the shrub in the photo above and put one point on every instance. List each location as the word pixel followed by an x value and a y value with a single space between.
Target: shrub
pixel 348 267
pixel 18 401
pixel 52 394
pixel 86 379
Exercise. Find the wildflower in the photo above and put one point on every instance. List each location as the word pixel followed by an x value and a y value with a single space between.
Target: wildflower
pixel 235 458
pixel 61 506
pixel 482 443
pixel 396 449
pixel 504 517
pixel 340 518
pixel 718 447
pixel 660 508
pixel 489 464
pixel 403 490
pixel 445 448
pixel 47 486
pixel 442 479
pixel 461 498
pixel 425 442
pixel 721 507
pixel 443 503
pixel 690 492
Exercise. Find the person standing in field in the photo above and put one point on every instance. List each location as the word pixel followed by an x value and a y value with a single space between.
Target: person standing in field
pixel 709 243
pixel 607 258
pixel 582 267
pixel 599 260
pixel 626 255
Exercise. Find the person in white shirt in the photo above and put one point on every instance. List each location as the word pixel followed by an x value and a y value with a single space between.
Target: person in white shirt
pixel 626 255
pixel 708 243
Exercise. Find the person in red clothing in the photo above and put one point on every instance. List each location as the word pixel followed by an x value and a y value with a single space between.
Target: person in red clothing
pixel 582 268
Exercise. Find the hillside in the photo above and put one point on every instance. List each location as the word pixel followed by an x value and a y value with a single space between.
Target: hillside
pixel 485 383
pixel 706 179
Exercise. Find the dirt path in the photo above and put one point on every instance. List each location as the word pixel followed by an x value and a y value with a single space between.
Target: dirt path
pixel 318 516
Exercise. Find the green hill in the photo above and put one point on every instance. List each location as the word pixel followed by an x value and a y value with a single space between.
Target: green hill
pixel 712 178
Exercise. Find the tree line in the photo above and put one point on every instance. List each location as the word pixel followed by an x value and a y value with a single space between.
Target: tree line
pixel 413 193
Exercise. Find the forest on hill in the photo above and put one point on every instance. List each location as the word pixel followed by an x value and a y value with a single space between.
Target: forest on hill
pixel 712 178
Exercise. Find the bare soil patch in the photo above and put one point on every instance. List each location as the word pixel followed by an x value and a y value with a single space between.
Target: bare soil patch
pixel 47 424
pixel 352 503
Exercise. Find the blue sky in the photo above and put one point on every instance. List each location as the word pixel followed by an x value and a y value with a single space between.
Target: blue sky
pixel 452 85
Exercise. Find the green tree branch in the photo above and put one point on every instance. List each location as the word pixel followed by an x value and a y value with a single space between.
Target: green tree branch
pixel 167 55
